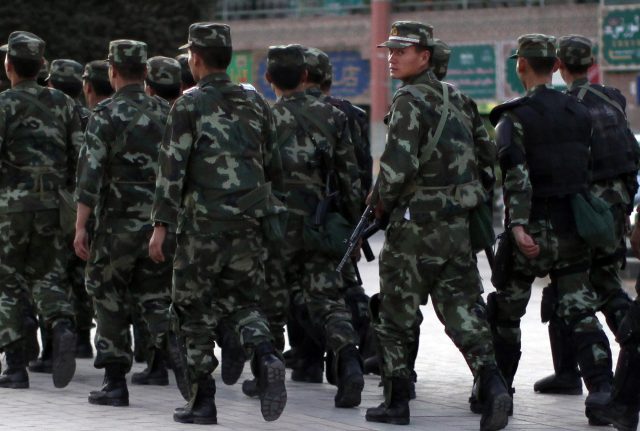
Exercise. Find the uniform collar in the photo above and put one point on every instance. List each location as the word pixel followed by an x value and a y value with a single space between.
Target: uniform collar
pixel 295 96
pixel 538 88
pixel 314 91
pixel 421 78
pixel 578 83
pixel 219 77
pixel 130 89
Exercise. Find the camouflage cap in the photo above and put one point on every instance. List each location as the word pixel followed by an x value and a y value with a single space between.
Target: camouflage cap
pixel 440 58
pixel 575 50
pixel 23 44
pixel 44 70
pixel 124 51
pixel 64 70
pixel 185 75
pixel 163 70
pixel 208 35
pixel 318 63
pixel 97 70
pixel 289 55
pixel 536 45
pixel 406 33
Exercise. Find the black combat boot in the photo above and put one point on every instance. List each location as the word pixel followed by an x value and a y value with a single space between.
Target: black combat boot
pixel 495 399
pixel 64 353
pixel 395 409
pixel 349 377
pixel 250 387
pixel 566 379
pixel 15 376
pixel 176 357
pixel 155 373
pixel 202 409
pixel 233 355
pixel 43 364
pixel 622 408
pixel 84 349
pixel 310 365
pixel 270 374
pixel 114 392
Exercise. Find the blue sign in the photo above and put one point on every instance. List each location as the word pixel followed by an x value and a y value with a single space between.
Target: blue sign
pixel 638 90
pixel 351 75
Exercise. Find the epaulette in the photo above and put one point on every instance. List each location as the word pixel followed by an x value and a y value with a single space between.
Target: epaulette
pixel 494 115
pixel 191 92
pixel 102 104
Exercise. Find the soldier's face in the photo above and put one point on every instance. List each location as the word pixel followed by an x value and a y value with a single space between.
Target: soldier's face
pixel 407 62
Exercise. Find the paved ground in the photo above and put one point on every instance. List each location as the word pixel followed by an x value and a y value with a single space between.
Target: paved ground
pixel 441 405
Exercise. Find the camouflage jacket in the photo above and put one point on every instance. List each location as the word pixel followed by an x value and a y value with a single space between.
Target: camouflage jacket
pixel 40 138
pixel 447 180
pixel 217 156
pixel 118 163
pixel 309 154
pixel 83 113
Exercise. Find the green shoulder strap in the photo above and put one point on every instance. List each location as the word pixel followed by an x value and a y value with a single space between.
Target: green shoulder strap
pixel 415 91
pixel 35 102
pixel 122 137
pixel 586 87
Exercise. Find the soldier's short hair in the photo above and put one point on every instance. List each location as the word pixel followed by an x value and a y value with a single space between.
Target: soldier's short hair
pixel 166 91
pixel 218 57
pixel 71 89
pixel 131 72
pixel 577 69
pixel 286 76
pixel 100 87
pixel 541 65
pixel 25 67
pixel 185 76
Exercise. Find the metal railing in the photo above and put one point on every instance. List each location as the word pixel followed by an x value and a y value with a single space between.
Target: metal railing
pixel 229 10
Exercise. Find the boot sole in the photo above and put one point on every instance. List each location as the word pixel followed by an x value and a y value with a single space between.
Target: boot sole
pixel 196 420
pixel 16 385
pixel 351 392
pixel 109 402
pixel 559 391
pixel 274 398
pixel 64 360
pixel 499 417
pixel 151 382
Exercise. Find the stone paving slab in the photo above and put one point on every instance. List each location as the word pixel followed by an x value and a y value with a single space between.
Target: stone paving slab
pixel 443 387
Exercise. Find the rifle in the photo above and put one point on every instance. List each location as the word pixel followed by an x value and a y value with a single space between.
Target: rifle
pixel 363 230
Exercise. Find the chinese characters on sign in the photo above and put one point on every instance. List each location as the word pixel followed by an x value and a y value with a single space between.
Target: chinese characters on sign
pixel 621 38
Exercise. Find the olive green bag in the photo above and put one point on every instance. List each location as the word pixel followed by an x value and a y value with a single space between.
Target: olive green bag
pixel 481 231
pixel 594 221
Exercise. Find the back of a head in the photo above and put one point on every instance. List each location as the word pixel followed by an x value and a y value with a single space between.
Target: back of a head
pixel 25 51
pixel 96 73
pixel 540 52
pixel 185 72
pixel 164 76
pixel 575 53
pixel 66 75
pixel 211 42
pixel 129 58
pixel 440 59
pixel 285 66
pixel 318 65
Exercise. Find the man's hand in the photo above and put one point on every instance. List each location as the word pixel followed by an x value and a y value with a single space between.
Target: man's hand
pixel 155 244
pixel 81 243
pixel 525 243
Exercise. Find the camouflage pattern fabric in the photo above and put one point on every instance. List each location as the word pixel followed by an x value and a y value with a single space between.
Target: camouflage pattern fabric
pixel 406 33
pixel 536 46
pixel 36 163
pixel 575 50
pixel 577 301
pixel 126 51
pixel 163 70
pixel 65 71
pixel 120 263
pixel 116 176
pixel 23 44
pixel 440 59
pixel 218 149
pixel 427 248
pixel 208 34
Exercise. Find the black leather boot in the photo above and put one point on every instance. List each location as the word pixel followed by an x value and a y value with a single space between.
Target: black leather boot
pixel 310 365
pixel 15 376
pixel 495 399
pixel 395 409
pixel 43 364
pixel 270 374
pixel 155 373
pixel 202 409
pixel 64 353
pixel 349 378
pixel 233 355
pixel 566 378
pixel 84 349
pixel 114 392
pixel 250 387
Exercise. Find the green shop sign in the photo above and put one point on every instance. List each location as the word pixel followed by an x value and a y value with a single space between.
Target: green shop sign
pixel 240 69
pixel 472 68
pixel 621 38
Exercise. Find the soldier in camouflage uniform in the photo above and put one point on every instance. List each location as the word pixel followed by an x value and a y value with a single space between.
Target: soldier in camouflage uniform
pixel 39 143
pixel 440 61
pixel 116 179
pixel 622 408
pixel 615 165
pixel 66 76
pixel 431 177
pixel 164 78
pixel 95 82
pixel 217 166
pixel 186 78
pixel 544 145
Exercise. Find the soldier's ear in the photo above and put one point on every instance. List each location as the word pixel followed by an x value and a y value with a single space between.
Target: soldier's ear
pixel 267 76
pixel 556 65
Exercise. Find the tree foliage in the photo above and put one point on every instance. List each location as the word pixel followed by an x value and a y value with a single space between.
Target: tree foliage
pixel 81 30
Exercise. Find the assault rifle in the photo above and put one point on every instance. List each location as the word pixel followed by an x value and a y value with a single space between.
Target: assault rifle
pixel 363 230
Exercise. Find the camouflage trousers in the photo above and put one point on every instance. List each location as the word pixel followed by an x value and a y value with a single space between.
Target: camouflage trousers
pixel 119 267
pixel 604 273
pixel 215 276
pixel 274 302
pixel 434 259
pixel 566 259
pixel 320 287
pixel 33 258
pixel 82 302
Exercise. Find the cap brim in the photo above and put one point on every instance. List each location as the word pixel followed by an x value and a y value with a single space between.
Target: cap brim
pixel 185 46
pixel 395 44
pixel 514 56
